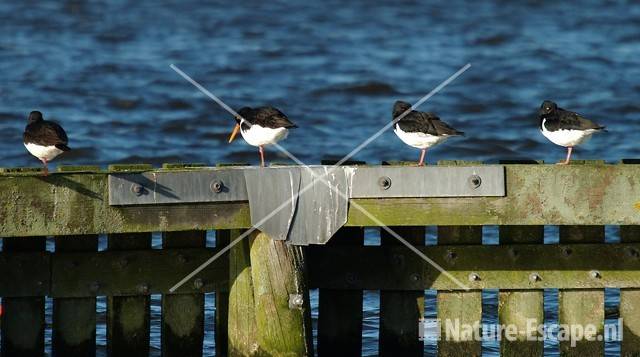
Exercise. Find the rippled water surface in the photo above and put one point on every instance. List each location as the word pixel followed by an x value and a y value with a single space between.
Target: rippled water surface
pixel 102 70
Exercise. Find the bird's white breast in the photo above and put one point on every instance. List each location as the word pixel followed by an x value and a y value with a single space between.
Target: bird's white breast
pixel 417 139
pixel 257 135
pixel 567 137
pixel 43 152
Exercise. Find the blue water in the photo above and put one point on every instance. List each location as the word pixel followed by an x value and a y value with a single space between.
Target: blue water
pixel 102 70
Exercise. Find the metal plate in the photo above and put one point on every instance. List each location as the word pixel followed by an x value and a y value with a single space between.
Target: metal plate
pixel 212 185
pixel 443 181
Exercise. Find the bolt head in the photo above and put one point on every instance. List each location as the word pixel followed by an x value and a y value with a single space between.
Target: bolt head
pixel 198 283
pixel 475 181
pixel 143 288
pixel 474 277
pixel 138 189
pixel 534 277
pixel 384 182
pixel 595 274
pixel 217 186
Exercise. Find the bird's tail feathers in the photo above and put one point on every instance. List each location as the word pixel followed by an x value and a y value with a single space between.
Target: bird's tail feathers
pixel 63 147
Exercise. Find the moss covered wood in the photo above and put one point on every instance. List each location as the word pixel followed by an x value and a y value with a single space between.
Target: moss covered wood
pixel 519 307
pixel 77 203
pixel 128 316
pixel 23 317
pixel 74 319
pixel 182 325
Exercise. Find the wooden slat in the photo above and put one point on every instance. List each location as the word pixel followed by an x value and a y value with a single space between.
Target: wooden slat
pixel 23 317
pixel 465 307
pixel 580 306
pixel 630 301
pixel 536 194
pixel 128 316
pixel 74 319
pixel 240 323
pixel 183 314
pixel 221 319
pixel 401 310
pixel 340 311
pixel 518 307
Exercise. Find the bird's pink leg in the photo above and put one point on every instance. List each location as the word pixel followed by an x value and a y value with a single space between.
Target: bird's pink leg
pixel 261 156
pixel 46 169
pixel 423 153
pixel 566 161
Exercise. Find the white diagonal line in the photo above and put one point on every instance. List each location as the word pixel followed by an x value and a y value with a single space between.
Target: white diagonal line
pixel 321 178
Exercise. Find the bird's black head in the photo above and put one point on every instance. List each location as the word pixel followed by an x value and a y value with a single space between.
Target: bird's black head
pixel 244 112
pixel 35 116
pixel 400 107
pixel 548 107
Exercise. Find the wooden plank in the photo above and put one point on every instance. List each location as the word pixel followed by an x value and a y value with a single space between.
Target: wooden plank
pixel 463 307
pixel 580 307
pixel 23 317
pixel 241 319
pixel 630 298
pixel 128 316
pixel 77 203
pixel 401 310
pixel 519 307
pixel 183 314
pixel 25 274
pixel 120 272
pixel 340 311
pixel 74 319
pixel 278 271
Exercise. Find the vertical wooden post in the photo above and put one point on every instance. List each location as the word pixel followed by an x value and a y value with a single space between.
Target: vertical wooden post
pixel 400 311
pixel 128 316
pixel 582 306
pixel 242 330
pixel 630 298
pixel 221 319
pixel 463 306
pixel 517 307
pixel 23 317
pixel 278 273
pixel 340 311
pixel 183 314
pixel 74 319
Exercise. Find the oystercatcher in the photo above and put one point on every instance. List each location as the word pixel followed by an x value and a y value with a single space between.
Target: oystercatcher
pixel 420 129
pixel 261 126
pixel 565 128
pixel 44 139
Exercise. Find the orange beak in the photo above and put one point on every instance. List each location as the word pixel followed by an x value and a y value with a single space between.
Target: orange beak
pixel 234 132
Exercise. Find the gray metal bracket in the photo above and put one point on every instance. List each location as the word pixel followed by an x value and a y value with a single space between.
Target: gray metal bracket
pixel 295 203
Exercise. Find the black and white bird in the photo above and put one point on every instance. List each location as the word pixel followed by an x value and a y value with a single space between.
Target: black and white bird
pixel 44 139
pixel 565 128
pixel 261 126
pixel 421 130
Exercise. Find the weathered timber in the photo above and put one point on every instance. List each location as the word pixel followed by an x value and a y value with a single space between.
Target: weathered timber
pixel 77 203
pixel 630 298
pixel 128 316
pixel 283 321
pixel 221 319
pixel 401 310
pixel 517 307
pixel 74 319
pixel 242 329
pixel 340 311
pixel 183 314
pixel 23 317
pixel 582 307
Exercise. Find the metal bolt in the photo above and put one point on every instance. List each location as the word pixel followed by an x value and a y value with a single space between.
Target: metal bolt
pixel 474 277
pixel 566 251
pixel 182 259
pixel 198 283
pixel 384 182
pixel 143 288
pixel 633 253
pixel 350 278
pixel 124 262
pixel 415 277
pixel 595 274
pixel 94 287
pixel 475 181
pixel 451 255
pixel 295 301
pixel 398 259
pixel 217 186
pixel 534 277
pixel 513 253
pixel 137 189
